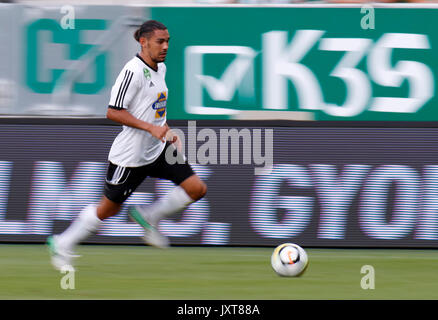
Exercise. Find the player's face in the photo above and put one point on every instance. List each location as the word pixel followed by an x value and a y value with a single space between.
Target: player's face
pixel 157 45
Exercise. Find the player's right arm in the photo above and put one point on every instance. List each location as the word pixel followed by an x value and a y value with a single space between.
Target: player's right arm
pixel 122 93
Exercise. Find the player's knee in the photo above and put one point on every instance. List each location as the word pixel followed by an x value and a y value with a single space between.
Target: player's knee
pixel 203 190
pixel 199 191
pixel 107 208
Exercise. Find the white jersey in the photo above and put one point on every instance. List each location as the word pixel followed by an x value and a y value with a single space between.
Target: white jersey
pixel 143 92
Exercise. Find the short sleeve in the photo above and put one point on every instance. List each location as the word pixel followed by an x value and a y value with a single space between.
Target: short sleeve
pixel 124 90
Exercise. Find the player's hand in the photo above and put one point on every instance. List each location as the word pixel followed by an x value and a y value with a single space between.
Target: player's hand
pixel 174 139
pixel 159 132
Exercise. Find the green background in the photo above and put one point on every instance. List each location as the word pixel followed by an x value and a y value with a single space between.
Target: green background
pixel 245 26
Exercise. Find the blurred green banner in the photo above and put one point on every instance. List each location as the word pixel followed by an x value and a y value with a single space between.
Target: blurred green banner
pixel 308 62
pixel 314 63
pixel 63 60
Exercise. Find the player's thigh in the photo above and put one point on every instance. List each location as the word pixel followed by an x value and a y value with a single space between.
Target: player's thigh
pixel 180 172
pixel 169 169
pixel 121 182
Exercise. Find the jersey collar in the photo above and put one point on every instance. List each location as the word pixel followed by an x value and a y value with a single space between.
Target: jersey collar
pixel 138 56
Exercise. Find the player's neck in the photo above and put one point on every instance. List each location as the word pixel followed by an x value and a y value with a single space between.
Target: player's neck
pixel 147 59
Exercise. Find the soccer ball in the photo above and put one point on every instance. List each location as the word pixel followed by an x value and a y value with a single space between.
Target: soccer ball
pixel 289 260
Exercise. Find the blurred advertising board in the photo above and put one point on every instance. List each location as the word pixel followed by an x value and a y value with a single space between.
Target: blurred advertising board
pixel 63 60
pixel 289 62
pixel 363 188
pixel 317 63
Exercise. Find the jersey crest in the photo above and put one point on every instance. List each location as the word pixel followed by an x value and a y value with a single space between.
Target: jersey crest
pixel 147 73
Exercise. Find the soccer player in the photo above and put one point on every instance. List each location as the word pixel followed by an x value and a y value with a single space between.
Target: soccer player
pixel 138 102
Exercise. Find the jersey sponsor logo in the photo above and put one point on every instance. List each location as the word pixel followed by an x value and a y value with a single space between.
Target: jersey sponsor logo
pixel 160 105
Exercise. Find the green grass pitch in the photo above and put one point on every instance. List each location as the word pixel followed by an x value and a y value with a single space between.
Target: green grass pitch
pixel 186 273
